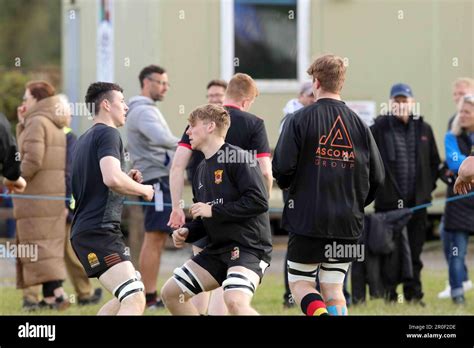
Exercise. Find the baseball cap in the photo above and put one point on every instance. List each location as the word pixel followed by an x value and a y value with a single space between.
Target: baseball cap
pixel 401 89
pixel 307 88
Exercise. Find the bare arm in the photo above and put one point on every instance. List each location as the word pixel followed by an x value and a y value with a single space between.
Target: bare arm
pixel 266 168
pixel 465 178
pixel 178 167
pixel 120 182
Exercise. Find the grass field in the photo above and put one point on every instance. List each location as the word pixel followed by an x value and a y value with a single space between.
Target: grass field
pixel 268 301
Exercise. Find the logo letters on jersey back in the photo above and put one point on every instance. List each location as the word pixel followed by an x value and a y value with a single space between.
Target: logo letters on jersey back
pixel 335 146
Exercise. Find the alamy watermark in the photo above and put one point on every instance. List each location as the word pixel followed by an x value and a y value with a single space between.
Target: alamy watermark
pixel 394 108
pixel 344 251
pixel 229 155
pixel 75 109
pixel 24 251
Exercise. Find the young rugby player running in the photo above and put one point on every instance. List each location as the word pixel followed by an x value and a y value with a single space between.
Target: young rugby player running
pixel 231 208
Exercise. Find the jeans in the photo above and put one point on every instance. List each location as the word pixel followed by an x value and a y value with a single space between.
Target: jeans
pixel 457 248
pixel 447 247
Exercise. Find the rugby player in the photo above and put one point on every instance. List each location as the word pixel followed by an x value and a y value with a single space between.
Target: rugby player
pixel 327 158
pixel 231 208
pixel 98 186
pixel 248 132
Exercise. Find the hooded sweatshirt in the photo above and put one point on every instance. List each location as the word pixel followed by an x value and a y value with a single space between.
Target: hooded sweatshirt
pixel 150 142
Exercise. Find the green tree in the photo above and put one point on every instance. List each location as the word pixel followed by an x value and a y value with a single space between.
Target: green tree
pixel 12 88
pixel 31 31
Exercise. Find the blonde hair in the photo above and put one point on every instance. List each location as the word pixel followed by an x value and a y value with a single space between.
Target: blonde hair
pixel 241 87
pixel 464 81
pixel 211 113
pixel 456 128
pixel 330 71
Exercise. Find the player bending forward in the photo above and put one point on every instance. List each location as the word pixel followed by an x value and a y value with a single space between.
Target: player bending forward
pixel 231 208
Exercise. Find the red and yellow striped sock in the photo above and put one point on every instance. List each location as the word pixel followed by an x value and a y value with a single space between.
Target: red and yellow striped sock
pixel 313 305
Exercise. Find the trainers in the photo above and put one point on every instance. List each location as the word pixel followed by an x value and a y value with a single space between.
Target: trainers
pixel 158 304
pixel 446 293
pixel 95 298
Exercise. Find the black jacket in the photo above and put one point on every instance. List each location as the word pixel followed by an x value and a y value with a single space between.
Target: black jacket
pixel 8 151
pixel 71 140
pixel 239 202
pixel 328 159
pixel 427 160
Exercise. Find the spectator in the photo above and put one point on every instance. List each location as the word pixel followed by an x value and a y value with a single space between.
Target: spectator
pixel 10 163
pixel 42 223
pixel 9 159
pixel 305 98
pixel 408 149
pixel 459 214
pixel 152 146
pixel 461 87
pixel 215 95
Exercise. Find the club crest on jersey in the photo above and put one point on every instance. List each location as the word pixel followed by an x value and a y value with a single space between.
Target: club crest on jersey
pixel 218 176
pixel 93 260
pixel 235 253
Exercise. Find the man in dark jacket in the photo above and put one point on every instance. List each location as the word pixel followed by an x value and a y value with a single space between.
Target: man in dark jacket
pixel 408 149
pixel 328 159
pixel 10 158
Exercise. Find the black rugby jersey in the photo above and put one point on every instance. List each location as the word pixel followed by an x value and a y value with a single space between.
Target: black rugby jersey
pixel 328 159
pixel 232 183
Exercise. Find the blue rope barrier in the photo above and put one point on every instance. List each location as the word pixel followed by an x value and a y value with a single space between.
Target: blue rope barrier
pixel 272 210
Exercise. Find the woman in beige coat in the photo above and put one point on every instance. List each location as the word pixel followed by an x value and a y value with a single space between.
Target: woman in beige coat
pixel 41 223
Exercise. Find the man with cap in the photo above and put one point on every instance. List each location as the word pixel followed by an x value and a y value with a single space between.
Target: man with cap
pixel 408 149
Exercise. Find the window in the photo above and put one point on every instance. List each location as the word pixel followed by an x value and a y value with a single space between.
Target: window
pixel 267 39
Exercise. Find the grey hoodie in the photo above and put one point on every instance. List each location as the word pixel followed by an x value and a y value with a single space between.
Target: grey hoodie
pixel 150 142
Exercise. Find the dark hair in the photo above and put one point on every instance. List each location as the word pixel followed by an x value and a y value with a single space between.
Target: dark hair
pixel 148 70
pixel 40 89
pixel 219 83
pixel 97 92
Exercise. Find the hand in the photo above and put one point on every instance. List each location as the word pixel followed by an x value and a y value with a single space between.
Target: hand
pixel 136 175
pixel 148 193
pixel 201 209
pixel 179 237
pixel 462 186
pixel 17 186
pixel 177 218
pixel 20 112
